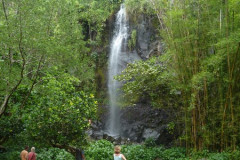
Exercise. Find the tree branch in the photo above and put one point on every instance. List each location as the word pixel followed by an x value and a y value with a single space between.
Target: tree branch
pixel 34 82
pixel 8 95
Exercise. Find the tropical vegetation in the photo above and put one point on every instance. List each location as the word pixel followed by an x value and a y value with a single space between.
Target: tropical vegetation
pixel 53 61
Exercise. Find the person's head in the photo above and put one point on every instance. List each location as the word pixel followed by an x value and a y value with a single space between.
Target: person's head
pixel 117 149
pixel 33 149
pixel 26 148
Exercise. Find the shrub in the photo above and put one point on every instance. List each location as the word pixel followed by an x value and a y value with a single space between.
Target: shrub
pixel 54 154
pixel 135 152
pixel 150 142
pixel 174 153
pixel 13 155
pixel 199 155
pixel 43 154
pixel 100 150
pixel 219 156
pixel 235 155
pixel 103 150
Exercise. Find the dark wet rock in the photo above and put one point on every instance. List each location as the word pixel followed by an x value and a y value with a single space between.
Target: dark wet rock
pixel 142 121
pixel 150 133
pixel 148 42
pixel 137 124
pixel 109 138
pixel 97 135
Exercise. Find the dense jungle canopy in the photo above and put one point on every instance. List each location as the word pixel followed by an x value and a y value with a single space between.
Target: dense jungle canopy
pixel 53 73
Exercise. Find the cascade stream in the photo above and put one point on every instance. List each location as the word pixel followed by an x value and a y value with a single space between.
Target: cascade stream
pixel 118 46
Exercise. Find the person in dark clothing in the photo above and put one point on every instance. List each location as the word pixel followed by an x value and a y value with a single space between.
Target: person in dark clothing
pixel 80 154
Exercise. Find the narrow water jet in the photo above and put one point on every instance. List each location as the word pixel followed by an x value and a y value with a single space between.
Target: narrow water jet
pixel 118 46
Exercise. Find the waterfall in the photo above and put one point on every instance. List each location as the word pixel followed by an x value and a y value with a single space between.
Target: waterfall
pixel 118 46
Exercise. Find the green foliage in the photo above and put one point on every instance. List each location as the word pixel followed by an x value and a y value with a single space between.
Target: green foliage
pixel 100 150
pixel 201 65
pixel 61 117
pixel 214 156
pixel 103 149
pixel 10 126
pixel 40 36
pixel 150 142
pixel 42 154
pixel 235 155
pixel 95 14
pixel 148 80
pixel 50 55
pixel 141 152
pixel 133 40
pixel 136 7
pixel 47 69
pixel 10 155
pixel 54 154
pixel 199 154
pixel 174 153
pixel 170 127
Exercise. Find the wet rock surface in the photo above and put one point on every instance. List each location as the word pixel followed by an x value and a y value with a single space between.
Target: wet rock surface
pixel 148 41
pixel 137 124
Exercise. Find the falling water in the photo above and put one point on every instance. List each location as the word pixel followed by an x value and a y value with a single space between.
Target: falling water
pixel 118 46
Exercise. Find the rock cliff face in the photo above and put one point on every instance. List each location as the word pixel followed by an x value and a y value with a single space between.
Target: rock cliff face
pixel 138 123
pixel 141 121
pixel 148 41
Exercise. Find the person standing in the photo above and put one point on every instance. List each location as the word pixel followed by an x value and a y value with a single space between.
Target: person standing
pixel 80 154
pixel 117 154
pixel 32 155
pixel 24 153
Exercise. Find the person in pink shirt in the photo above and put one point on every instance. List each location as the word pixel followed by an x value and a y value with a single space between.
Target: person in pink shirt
pixel 32 155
